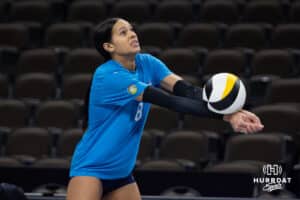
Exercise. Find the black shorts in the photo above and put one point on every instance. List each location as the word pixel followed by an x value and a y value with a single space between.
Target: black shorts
pixel 111 185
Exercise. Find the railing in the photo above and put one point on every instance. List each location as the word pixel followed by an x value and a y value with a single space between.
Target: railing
pixel 152 184
pixel 32 196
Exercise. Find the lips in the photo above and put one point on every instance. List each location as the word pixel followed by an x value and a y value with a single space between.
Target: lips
pixel 134 43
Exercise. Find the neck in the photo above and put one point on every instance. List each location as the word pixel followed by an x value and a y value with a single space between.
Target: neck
pixel 126 61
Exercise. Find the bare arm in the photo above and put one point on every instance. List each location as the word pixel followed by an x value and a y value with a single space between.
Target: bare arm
pixel 169 82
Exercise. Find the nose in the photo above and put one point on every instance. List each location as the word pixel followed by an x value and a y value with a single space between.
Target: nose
pixel 132 34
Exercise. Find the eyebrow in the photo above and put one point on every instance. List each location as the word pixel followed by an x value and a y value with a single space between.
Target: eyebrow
pixel 121 28
pixel 125 27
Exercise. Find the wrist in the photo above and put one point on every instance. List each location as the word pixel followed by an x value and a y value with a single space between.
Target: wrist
pixel 227 117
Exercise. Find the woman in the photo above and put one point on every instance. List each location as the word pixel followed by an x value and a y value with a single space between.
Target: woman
pixel 119 101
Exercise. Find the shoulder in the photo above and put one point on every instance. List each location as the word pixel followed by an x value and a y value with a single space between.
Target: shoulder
pixel 112 74
pixel 148 61
pixel 145 57
pixel 106 68
pixel 105 73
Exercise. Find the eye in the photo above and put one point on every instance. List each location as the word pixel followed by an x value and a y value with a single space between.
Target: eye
pixel 123 32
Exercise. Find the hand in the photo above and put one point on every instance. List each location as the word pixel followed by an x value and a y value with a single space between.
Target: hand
pixel 244 121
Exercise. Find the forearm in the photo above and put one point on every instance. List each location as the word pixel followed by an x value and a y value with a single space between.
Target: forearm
pixel 184 89
pixel 177 103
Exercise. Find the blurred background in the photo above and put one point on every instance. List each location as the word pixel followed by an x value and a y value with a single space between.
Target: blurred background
pixel 47 58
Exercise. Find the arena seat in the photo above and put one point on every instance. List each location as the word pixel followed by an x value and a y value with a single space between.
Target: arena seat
pixel 225 60
pixel 182 61
pixel 187 146
pixel 167 11
pixel 251 36
pixel 241 157
pixel 76 86
pixel 87 11
pixel 134 11
pixel 64 35
pixel 81 60
pixel 35 86
pixel 276 62
pixel 67 141
pixel 240 147
pixel 287 114
pixel 13 113
pixel 162 165
pixel 147 147
pixel 42 60
pixel 286 36
pixel 31 11
pixel 57 114
pixel 226 12
pixel 54 163
pixel 279 91
pixel 162 119
pixel 294 14
pixel 13 36
pixel 196 123
pixel 156 34
pixel 200 35
pixel 264 12
pixel 28 144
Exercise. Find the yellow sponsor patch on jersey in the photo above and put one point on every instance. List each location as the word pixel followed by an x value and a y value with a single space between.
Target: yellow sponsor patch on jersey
pixel 132 89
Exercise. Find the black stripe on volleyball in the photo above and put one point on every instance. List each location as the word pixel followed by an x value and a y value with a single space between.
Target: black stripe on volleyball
pixel 228 100
pixel 208 88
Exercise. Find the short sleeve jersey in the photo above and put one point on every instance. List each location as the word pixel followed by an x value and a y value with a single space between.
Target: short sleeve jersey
pixel 109 146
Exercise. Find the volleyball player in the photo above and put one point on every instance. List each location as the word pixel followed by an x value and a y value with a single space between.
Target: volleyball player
pixel 120 95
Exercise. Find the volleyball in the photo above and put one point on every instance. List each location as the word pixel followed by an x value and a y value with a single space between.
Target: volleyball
pixel 224 93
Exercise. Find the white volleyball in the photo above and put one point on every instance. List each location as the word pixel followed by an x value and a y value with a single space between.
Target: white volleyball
pixel 224 93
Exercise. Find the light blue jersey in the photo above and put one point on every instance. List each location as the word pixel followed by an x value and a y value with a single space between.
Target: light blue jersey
pixel 109 147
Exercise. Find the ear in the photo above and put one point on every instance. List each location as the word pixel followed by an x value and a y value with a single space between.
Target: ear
pixel 108 47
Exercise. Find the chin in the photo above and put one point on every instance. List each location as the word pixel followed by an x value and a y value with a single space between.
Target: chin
pixel 138 50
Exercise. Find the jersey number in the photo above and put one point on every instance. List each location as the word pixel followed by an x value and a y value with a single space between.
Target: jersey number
pixel 139 112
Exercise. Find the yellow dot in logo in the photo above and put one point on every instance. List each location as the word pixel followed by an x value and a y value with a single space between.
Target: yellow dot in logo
pixel 132 89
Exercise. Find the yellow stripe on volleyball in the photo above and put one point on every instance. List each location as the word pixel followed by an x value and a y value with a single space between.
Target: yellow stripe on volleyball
pixel 230 81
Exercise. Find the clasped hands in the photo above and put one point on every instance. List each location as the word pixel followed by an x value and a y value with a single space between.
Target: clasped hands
pixel 244 122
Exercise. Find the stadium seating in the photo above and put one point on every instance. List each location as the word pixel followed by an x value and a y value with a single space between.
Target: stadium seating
pixel 47 60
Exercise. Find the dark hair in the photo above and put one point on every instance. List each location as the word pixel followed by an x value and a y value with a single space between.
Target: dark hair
pixel 103 34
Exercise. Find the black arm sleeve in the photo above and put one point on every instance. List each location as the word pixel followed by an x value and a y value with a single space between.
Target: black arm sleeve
pixel 185 89
pixel 176 103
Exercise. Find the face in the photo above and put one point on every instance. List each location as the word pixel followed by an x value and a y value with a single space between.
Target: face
pixel 124 39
